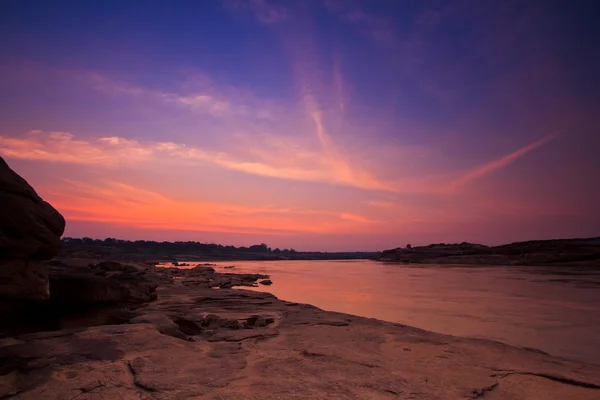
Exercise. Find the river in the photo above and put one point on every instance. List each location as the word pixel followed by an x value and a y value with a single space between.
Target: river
pixel 552 309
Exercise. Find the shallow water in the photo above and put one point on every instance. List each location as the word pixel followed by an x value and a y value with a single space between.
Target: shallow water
pixel 552 309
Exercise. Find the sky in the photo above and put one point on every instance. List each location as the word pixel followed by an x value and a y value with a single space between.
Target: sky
pixel 333 125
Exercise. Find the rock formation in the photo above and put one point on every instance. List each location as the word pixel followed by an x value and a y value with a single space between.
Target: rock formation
pixel 36 293
pixel 30 231
pixel 563 252
pixel 195 342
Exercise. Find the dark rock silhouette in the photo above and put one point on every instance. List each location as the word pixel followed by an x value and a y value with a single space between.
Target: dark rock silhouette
pixel 565 252
pixel 30 231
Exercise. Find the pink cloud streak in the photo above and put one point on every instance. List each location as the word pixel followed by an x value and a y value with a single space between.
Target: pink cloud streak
pixel 488 168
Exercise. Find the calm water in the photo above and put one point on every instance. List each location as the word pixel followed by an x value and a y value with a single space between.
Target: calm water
pixel 535 307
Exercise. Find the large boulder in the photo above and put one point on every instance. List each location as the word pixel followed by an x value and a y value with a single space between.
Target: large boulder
pixel 30 231
pixel 30 228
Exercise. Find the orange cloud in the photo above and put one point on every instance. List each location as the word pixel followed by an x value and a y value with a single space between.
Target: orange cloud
pixel 118 203
pixel 355 217
pixel 271 157
pixel 382 203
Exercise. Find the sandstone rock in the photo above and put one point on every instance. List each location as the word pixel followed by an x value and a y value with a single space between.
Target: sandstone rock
pixel 30 228
pixel 70 284
pixel 203 268
pixel 226 285
pixel 240 335
pixel 188 326
pixel 24 280
pixel 312 354
pixel 162 323
pixel 30 231
pixel 257 321
pixel 114 266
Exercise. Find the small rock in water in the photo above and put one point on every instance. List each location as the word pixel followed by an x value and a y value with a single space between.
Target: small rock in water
pixel 266 282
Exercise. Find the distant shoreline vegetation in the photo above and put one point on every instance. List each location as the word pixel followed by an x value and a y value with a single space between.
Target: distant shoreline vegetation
pixel 571 252
pixel 190 250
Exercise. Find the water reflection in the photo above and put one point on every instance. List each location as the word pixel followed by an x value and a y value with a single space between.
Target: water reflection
pixel 555 310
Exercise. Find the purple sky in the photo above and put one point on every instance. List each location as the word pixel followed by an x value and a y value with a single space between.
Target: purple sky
pixel 318 125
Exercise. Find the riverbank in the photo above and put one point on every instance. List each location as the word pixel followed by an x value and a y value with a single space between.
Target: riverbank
pixel 192 341
pixel 562 252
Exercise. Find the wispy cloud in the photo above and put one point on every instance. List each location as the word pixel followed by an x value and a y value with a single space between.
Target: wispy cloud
pixel 382 203
pixel 378 27
pixel 488 168
pixel 207 100
pixel 265 11
pixel 357 218
pixel 269 158
pixel 112 151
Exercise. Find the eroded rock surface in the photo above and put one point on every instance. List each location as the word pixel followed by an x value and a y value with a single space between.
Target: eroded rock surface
pixel 201 343
pixel 30 231
pixel 29 227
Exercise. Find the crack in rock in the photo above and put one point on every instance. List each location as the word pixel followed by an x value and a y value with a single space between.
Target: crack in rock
pixel 136 382
pixel 555 378
pixel 479 393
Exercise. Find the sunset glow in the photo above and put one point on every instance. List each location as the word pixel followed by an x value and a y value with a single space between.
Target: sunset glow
pixel 318 125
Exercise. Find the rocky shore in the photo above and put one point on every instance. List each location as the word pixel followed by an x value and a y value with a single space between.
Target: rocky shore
pixel 75 328
pixel 184 339
pixel 563 252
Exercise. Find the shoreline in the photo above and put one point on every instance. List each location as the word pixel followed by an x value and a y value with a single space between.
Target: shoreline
pixel 195 342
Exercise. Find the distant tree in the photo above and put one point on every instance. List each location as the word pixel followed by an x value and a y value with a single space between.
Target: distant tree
pixel 277 251
pixel 408 246
pixel 259 248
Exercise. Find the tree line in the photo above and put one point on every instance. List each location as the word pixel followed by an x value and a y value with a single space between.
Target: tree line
pixel 179 247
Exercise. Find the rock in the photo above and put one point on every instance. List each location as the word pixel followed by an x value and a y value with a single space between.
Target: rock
pixel 229 266
pixel 266 282
pixel 245 334
pixel 30 231
pixel 203 268
pixel 24 280
pixel 306 356
pixel 226 285
pixel 231 324
pixel 188 326
pixel 256 321
pixel 212 321
pixel 30 228
pixel 114 266
pixel 162 323
pixel 81 285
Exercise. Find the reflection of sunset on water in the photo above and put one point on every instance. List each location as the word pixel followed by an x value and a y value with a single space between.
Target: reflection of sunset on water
pixel 517 305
